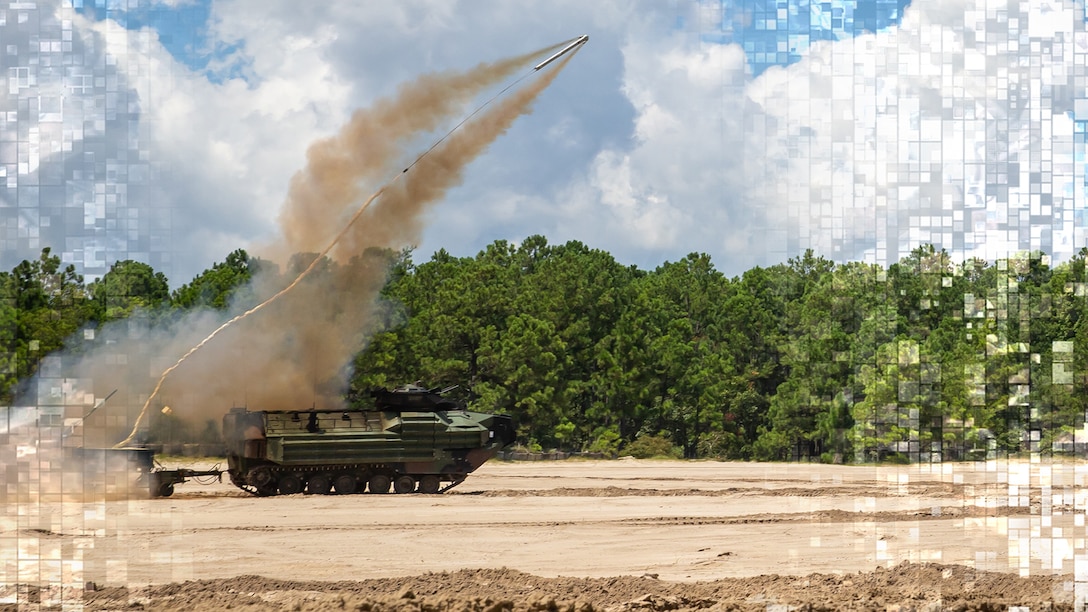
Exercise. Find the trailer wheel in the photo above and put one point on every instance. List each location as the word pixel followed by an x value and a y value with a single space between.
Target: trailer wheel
pixel 379 483
pixel 319 484
pixel 166 489
pixel 404 484
pixel 429 484
pixel 290 484
pixel 345 484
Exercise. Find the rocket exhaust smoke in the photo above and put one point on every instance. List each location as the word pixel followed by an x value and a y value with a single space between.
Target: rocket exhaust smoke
pixel 309 330
pixel 62 483
pixel 370 147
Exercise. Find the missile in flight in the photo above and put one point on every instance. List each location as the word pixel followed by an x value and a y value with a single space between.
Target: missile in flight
pixel 581 40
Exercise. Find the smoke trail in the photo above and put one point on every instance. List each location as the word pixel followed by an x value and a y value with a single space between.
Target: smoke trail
pixel 52 447
pixel 371 145
pixel 397 218
pixel 322 322
pixel 305 273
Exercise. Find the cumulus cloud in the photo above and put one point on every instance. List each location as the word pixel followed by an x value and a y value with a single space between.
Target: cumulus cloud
pixel 159 160
pixel 295 351
pixel 954 127
pixel 130 154
pixel 676 185
pixel 64 131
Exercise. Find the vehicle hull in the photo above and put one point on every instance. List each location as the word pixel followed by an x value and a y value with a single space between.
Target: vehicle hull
pixel 283 452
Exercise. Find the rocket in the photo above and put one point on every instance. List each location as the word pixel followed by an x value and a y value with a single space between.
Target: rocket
pixel 581 40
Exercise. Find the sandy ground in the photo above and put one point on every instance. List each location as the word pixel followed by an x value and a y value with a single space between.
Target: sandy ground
pixel 580 535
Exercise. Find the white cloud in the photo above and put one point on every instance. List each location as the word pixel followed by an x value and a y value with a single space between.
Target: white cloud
pixel 676 186
pixel 929 132
pixel 226 150
pixel 651 144
pixel 205 157
pixel 935 131
pixel 234 145
pixel 164 165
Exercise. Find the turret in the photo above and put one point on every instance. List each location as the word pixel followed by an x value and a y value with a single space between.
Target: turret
pixel 414 398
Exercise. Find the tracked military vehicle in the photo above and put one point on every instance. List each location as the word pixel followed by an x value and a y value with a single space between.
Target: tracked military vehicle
pixel 414 440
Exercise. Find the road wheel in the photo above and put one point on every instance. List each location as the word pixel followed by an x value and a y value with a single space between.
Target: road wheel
pixel 319 484
pixel 429 484
pixel 166 489
pixel 345 484
pixel 290 484
pixel 260 477
pixel 404 484
pixel 379 483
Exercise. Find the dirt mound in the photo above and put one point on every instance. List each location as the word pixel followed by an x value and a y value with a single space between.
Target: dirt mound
pixel 903 587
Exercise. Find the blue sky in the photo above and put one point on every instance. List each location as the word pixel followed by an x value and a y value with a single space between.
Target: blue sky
pixel 779 33
pixel 749 130
pixel 761 27
pixel 182 29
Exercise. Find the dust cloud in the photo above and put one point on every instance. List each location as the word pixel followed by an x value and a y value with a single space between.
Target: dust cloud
pixel 65 493
pixel 296 352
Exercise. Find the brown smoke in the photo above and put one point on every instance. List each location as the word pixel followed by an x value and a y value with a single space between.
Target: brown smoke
pixel 296 352
pixel 371 145
pixel 396 219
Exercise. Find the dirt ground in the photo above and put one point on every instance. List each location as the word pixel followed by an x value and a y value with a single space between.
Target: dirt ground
pixel 579 536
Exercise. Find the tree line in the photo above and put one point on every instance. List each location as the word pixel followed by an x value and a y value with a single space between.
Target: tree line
pixel 926 359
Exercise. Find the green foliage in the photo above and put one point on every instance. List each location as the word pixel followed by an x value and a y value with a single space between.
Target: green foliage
pixel 564 431
pixel 607 443
pixel 773 445
pixel 42 305
pixel 129 285
pixel 807 360
pixel 215 287
pixel 653 447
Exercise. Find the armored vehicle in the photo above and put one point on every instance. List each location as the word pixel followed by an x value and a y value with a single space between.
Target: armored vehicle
pixel 413 441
